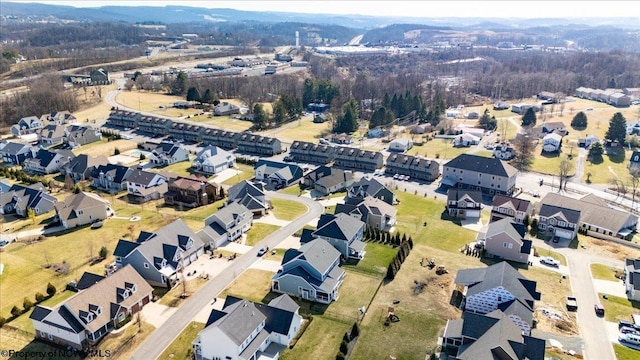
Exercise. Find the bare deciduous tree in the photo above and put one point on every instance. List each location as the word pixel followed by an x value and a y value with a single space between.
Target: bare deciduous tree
pixel 563 171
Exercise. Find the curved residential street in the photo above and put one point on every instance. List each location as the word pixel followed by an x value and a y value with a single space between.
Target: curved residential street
pixel 155 344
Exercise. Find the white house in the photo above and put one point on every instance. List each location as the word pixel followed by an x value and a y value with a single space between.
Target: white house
pixel 227 224
pixel 400 145
pixel 551 142
pixel 466 139
pixel 212 160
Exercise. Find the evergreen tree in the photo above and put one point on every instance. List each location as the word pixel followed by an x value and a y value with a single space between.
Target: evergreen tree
pixel 529 117
pixel 579 121
pixel 410 241
pixel 51 290
pixel 179 84
pixel 617 129
pixel 193 94
pixel 259 117
pixel 391 274
pixel 595 152
pixel 207 98
pixel 487 121
pixel 308 92
pixel 279 113
pixel 348 122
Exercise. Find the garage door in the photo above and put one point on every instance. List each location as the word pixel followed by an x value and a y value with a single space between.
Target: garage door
pixel 200 251
pixel 473 213
pixel 565 234
pixel 193 257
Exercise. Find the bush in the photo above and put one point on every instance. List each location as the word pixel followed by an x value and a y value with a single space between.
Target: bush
pixel 103 252
pixel 345 338
pixel 355 330
pixel 15 311
pixel 2 321
pixel 116 151
pixel 142 157
pixel 27 304
pixel 344 347
pixel 340 356
pixel 40 297
pixel 51 290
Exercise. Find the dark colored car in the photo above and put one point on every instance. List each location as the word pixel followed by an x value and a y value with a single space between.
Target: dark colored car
pixel 599 309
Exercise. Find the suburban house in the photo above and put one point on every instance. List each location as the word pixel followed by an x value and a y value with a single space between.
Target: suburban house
pixel 327 180
pixel 375 213
pixel 225 108
pixel 343 232
pixel 414 166
pixel 597 218
pixel 256 144
pixel 159 256
pixel 249 194
pixel 85 318
pixel 371 187
pixel 463 204
pixel 110 177
pixel 212 160
pixel 143 186
pixel 59 118
pixel 14 153
pixel 587 141
pixel 26 125
pixel 190 192
pixel 82 209
pixel 499 287
pixel 550 127
pixel 167 154
pixel 504 151
pixel 551 142
pixel 78 135
pixel 490 175
pixel 311 272
pixel 247 330
pixel 226 224
pixel 99 77
pixel 465 140
pixel 632 278
pixel 558 221
pixel 400 145
pixel 505 239
pixel 47 161
pixel 490 336
pixel 619 100
pixel 308 152
pixel 341 139
pixel 277 174
pixel 509 207
pixel 354 158
pixel 52 135
pixel 82 166
pixel 20 198
pixel 634 161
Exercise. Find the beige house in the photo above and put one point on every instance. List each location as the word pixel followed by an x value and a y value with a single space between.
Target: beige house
pixel 82 209
pixel 504 239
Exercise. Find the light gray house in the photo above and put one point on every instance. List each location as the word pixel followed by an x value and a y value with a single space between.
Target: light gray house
pixel 167 154
pixel 82 166
pixel 143 186
pixel 551 142
pixel 160 255
pixel 400 145
pixel 489 175
pixel 58 118
pixel 247 330
pixel 311 272
pixel 19 199
pixel 111 178
pixel 371 187
pixel 47 161
pixel 256 144
pixel 26 125
pixel 308 152
pixel 226 224
pixel 373 212
pixel 225 108
pixel 632 279
pixel 212 160
pixel 277 174
pixel 14 153
pixel 327 180
pixel 79 135
pixel 462 204
pixel 505 239
pixel 82 209
pixel 52 135
pixel 558 221
pixel 343 232
pixel 249 194
pixel 354 158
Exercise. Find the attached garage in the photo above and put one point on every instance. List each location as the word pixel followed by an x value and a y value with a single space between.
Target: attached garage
pixel 563 234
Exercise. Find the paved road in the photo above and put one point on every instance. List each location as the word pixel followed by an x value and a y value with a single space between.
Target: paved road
pixel 153 346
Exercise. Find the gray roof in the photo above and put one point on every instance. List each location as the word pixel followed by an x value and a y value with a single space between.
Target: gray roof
pixel 570 215
pixel 286 171
pixel 512 202
pixel 83 162
pixel 13 148
pixel 506 225
pixel 45 157
pixel 213 155
pixel 340 226
pixel 366 206
pixel 285 302
pixel 481 164
pixel 317 253
pixel 141 177
pixel 328 176
pixel 238 321
pixel 454 194
pixel 229 213
pixel 367 187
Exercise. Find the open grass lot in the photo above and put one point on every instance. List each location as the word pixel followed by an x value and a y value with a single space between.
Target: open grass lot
pixel 23 322
pixel 180 348
pixel 24 262
pixel 617 308
pixel 303 130
pixel 123 344
pixel 625 353
pixel 548 252
pixel 253 285
pixel 287 209
pixel 604 272
pixel 613 166
pixel 375 260
pixel 151 102
pixel 174 297
pixel 226 122
pixel 355 292
pixel 554 292
pixel 105 147
pixel 12 223
pixel 549 163
pixel 243 172
pixel 292 190
pixel 258 232
pixel 320 340
pixel 181 168
pixel 438 147
pixel 194 218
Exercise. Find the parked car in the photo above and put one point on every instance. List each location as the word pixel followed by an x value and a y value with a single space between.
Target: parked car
pixel 262 251
pixel 4 242
pixel 629 330
pixel 572 303
pixel 629 338
pixel 599 309
pixel 396 176
pixel 547 260
pixel 407 177
pixel 629 324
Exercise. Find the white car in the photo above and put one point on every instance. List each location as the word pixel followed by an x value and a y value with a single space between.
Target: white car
pixel 547 260
pixel 126 137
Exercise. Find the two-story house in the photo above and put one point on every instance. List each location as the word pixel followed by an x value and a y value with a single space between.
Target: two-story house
pixel 226 224
pixel 82 209
pixel 111 178
pixel 308 152
pixel 14 153
pixel 81 167
pixel 167 154
pixel 26 125
pixel 371 187
pixel 124 119
pixel 311 272
pixel 47 161
pixel 558 221
pixel 326 180
pixel 277 174
pixel 414 166
pixel 191 192
pixel 634 161
pixel 506 240
pixel 221 138
pixel 256 144
pixel 509 207
pixel 52 135
pixel 473 172
pixel 251 195
pixel 19 199
pixel 375 213
pixel 632 279
pixel 343 232
pixel 79 135
pixel 462 204
pixel 212 160
pixel 504 151
pixel 84 319
pixel 159 256
pixel 247 330
pixel 551 142
pixel 143 186
pixel 59 118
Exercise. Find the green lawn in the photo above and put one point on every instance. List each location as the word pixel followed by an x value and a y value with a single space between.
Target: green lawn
pixel 243 172
pixel 375 261
pixel 547 163
pixel 617 308
pixel 287 209
pixel 23 322
pixel 181 168
pixel 253 285
pixel 293 190
pixel 25 263
pixel 258 232
pixel 439 149
pixel 613 166
pixel 625 353
pixel 180 348
pixel 320 341
pixel 604 272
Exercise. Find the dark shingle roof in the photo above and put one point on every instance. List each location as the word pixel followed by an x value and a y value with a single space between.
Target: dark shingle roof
pixel 455 195
pixel 572 216
pixel 517 204
pixel 87 280
pixel 485 165
pixel 141 177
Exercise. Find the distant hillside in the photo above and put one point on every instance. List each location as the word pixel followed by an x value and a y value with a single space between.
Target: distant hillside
pixel 402 33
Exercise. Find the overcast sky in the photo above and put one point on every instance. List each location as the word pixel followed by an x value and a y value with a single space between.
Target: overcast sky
pixel 451 8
